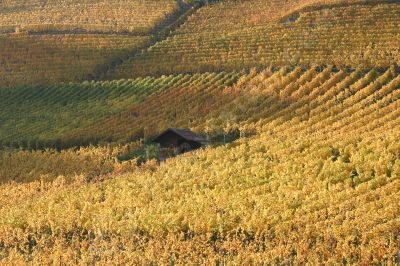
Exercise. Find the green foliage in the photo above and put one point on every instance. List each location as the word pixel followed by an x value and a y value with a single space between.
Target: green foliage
pixel 152 152
pixel 142 155
pixel 187 103
pixel 35 117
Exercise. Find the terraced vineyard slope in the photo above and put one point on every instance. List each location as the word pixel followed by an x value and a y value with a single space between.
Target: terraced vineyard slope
pixel 127 110
pixel 299 101
pixel 49 59
pixel 47 42
pixel 254 34
pixel 136 16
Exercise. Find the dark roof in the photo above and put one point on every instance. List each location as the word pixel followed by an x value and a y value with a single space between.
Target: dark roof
pixel 184 133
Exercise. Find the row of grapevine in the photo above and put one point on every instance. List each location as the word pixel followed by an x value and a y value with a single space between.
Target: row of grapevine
pixel 48 59
pixel 360 35
pixel 318 183
pixel 272 198
pixel 116 16
pixel 181 106
pixel 125 110
pixel 90 163
pixel 35 116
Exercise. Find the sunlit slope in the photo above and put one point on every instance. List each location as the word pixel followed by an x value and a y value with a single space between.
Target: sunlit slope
pixel 276 97
pixel 68 42
pixel 137 16
pixel 128 110
pixel 318 183
pixel 300 7
pixel 47 42
pixel 355 35
pixel 313 179
pixel 43 167
pixel 229 15
pixel 48 59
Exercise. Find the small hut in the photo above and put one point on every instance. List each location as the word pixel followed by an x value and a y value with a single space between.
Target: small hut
pixel 180 139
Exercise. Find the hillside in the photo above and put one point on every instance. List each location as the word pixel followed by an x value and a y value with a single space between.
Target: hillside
pixel 349 35
pixel 50 59
pixel 252 35
pixel 56 16
pixel 318 183
pixel 126 110
pixel 299 101
pixel 48 116
pixel 47 42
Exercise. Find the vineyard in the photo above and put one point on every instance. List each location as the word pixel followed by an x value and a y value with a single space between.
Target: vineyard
pixel 299 101
pixel 316 181
pixel 37 117
pixel 47 42
pixel 85 164
pixel 136 16
pixel 208 43
pixel 49 59
pixel 254 101
pixel 179 37
pixel 183 105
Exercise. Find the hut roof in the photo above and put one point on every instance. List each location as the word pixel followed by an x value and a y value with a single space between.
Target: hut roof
pixel 184 133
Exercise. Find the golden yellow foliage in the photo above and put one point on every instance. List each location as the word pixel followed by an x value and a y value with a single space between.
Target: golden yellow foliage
pixel 319 182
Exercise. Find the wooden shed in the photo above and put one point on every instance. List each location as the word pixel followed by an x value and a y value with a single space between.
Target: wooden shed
pixel 182 140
